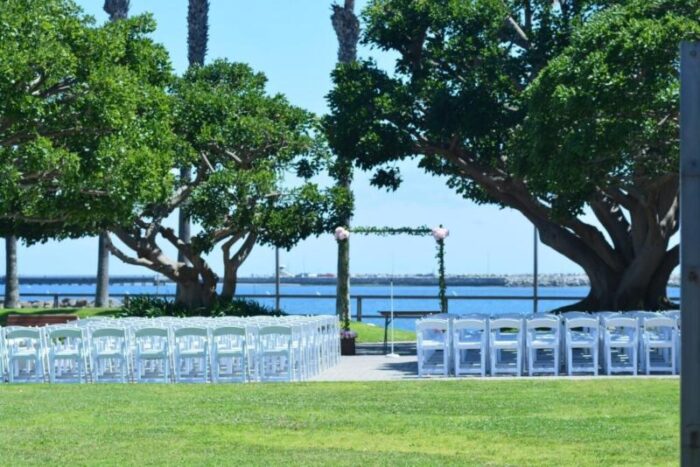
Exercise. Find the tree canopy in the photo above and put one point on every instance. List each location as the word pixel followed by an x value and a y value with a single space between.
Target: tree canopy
pixel 84 119
pixel 252 156
pixel 545 107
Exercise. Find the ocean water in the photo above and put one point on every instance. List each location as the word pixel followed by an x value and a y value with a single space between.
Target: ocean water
pixel 310 301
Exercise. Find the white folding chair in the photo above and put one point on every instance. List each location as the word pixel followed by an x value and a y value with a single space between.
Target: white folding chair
pixel 581 342
pixel 275 354
pixel 470 343
pixel 109 357
pixel 66 355
pixel 228 350
pixel 433 346
pixel 659 344
pixel 151 355
pixel 620 344
pixel 676 315
pixel 191 354
pixel 24 355
pixel 3 355
pixel 543 344
pixel 506 345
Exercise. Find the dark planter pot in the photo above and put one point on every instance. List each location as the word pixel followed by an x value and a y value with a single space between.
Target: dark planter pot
pixel 347 346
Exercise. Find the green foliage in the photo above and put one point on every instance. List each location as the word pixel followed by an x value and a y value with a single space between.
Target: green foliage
pixel 605 110
pixel 84 119
pixel 247 147
pixel 421 231
pixel 586 96
pixel 151 307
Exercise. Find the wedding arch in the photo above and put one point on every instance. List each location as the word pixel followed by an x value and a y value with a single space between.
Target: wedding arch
pixel 438 233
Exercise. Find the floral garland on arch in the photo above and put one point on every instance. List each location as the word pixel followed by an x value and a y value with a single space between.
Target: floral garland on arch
pixel 438 233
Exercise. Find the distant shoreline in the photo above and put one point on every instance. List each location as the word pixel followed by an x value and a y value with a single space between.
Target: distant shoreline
pixel 514 280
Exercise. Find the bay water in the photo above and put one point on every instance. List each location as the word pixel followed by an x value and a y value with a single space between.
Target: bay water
pixel 313 302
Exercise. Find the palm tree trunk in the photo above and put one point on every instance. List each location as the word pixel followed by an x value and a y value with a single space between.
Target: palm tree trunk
pixel 11 276
pixel 347 28
pixel 116 9
pixel 102 288
pixel 197 38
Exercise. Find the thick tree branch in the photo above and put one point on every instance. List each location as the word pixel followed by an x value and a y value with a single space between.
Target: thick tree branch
pixel 610 215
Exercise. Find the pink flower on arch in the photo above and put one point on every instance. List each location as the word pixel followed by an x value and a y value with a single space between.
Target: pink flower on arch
pixel 440 233
pixel 341 233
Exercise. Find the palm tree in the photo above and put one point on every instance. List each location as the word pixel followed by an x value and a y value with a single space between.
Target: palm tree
pixel 197 38
pixel 347 28
pixel 116 9
pixel 11 279
pixel 197 31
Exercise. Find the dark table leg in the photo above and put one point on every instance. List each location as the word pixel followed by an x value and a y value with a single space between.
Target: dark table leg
pixel 386 333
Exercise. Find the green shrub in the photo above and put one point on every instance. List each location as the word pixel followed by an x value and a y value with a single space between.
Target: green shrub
pixel 147 306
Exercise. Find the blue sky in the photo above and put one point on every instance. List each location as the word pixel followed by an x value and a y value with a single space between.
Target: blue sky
pixel 293 43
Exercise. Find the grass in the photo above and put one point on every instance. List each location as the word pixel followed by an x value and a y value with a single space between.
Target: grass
pixel 543 422
pixel 81 312
pixel 367 333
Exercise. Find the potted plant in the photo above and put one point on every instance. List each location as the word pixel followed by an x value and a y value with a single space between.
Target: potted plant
pixel 347 342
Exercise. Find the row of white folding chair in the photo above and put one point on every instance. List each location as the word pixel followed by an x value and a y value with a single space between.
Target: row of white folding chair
pixel 635 341
pixel 310 348
pixel 310 351
pixel 33 353
pixel 498 343
pixel 578 337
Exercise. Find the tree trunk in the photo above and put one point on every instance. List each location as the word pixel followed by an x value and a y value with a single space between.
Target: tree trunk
pixel 347 28
pixel 102 287
pixel 342 298
pixel 183 222
pixel 197 31
pixel 194 293
pixel 628 272
pixel 117 10
pixel 197 38
pixel 640 285
pixel 232 262
pixel 228 287
pixel 11 276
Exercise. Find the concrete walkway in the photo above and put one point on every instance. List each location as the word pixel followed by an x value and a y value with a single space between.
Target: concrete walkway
pixel 371 368
pixel 371 364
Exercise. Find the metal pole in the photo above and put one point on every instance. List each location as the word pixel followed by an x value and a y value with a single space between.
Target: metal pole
pixel 535 275
pixel 277 278
pixel 690 253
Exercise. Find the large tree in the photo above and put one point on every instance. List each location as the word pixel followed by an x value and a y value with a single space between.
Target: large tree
pixel 549 108
pixel 242 146
pixel 347 28
pixel 83 115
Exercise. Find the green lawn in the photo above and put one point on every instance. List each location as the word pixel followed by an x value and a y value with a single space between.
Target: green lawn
pixel 543 422
pixel 82 312
pixel 368 333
